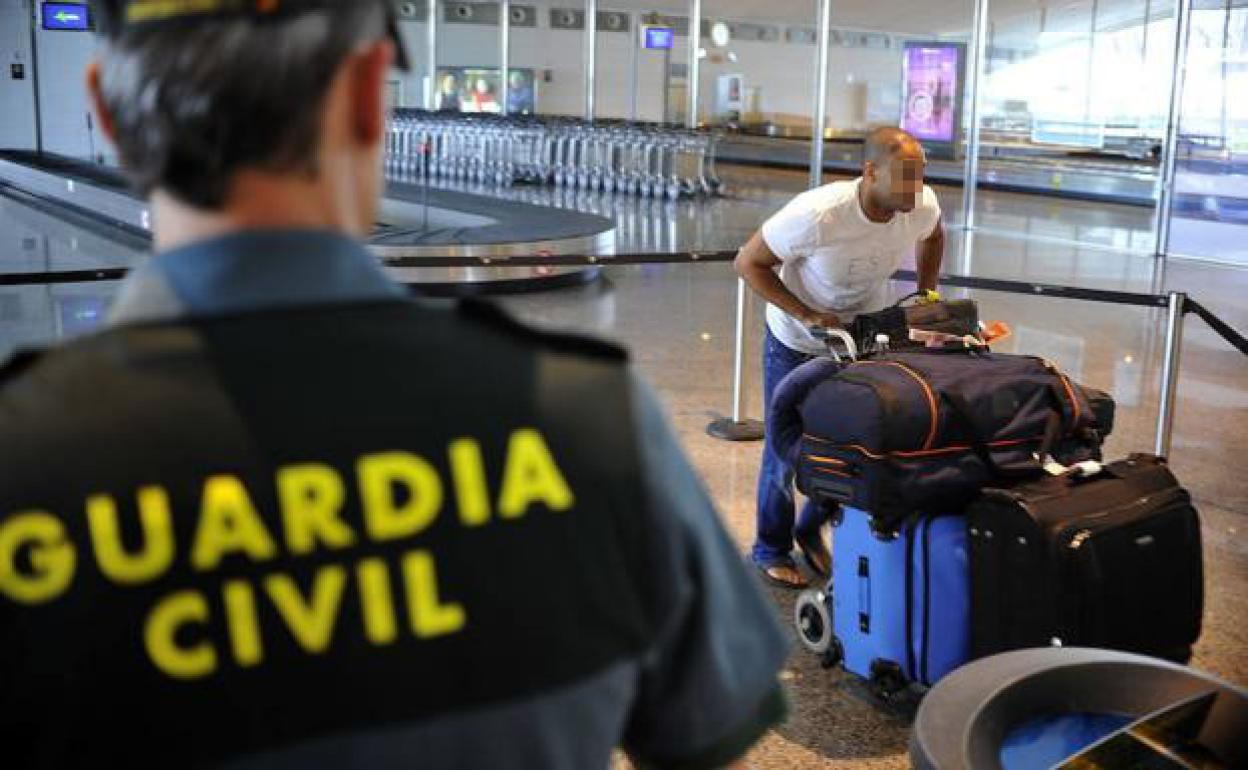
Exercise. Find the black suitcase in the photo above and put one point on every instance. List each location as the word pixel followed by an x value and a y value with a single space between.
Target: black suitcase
pixel 1112 561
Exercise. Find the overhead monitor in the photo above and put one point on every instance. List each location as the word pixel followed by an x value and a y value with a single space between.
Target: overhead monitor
pixel 66 16
pixel 654 37
pixel 932 92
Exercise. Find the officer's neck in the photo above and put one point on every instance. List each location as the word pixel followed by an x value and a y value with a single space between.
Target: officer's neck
pixel 257 201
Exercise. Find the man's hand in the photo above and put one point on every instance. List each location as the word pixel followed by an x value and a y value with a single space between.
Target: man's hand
pixel 930 253
pixel 825 320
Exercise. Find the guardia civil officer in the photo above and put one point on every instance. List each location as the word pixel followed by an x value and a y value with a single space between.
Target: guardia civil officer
pixel 278 515
pixel 823 259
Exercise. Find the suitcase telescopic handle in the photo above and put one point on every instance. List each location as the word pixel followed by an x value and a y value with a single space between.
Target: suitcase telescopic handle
pixel 829 337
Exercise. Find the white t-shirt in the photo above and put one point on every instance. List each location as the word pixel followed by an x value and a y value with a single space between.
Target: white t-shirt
pixel 834 259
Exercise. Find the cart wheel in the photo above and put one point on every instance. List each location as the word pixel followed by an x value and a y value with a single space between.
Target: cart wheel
pixel 834 656
pixel 813 621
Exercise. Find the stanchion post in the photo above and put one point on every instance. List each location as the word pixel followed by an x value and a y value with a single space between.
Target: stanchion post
pixel 1170 373
pixel 737 427
pixel 738 363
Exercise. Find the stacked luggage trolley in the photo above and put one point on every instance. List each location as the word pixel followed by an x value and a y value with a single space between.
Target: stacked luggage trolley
pixel 972 512
pixel 648 160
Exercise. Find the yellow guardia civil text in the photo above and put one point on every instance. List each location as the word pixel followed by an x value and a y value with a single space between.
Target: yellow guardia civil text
pixel 401 495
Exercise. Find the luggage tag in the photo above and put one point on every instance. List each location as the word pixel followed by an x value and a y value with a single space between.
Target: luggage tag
pixel 994 331
pixel 941 339
pixel 1083 470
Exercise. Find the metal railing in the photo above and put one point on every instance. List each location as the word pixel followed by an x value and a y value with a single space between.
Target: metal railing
pixel 635 159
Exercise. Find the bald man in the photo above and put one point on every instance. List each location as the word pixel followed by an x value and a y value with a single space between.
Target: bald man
pixel 835 247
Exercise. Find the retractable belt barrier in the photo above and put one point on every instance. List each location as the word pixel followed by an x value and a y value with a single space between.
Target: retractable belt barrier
pixel 736 428
pixel 1223 329
pixel 542 259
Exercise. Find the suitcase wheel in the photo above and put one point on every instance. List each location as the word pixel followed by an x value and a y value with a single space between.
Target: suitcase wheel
pixel 813 621
pixel 887 680
pixel 834 655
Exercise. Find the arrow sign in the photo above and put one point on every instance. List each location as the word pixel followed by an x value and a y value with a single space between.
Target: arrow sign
pixel 60 16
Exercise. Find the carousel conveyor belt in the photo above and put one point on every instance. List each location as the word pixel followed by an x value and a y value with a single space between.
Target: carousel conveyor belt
pixel 415 222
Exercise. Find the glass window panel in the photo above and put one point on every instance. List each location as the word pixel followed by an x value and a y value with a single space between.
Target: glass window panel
pixel 1210 214
pixel 1073 119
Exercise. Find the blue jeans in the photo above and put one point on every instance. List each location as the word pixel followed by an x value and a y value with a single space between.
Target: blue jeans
pixel 775 526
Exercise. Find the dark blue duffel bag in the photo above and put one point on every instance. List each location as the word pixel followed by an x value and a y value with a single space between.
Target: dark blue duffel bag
pixel 928 429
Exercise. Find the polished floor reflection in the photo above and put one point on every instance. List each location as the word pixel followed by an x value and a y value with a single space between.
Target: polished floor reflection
pixel 678 322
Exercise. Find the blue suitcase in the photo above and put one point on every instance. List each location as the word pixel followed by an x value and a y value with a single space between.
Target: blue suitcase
pixel 900 607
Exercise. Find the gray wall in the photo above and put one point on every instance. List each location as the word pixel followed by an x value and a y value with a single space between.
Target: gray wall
pixel 864 88
pixel 63 104
pixel 780 75
pixel 17 97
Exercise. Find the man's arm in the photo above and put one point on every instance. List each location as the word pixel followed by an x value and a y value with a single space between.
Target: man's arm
pixel 929 255
pixel 756 263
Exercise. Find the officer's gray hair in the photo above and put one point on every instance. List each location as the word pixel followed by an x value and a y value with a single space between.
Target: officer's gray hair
pixel 194 103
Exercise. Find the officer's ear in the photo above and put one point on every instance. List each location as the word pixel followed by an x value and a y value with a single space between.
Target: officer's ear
pixel 370 68
pixel 102 113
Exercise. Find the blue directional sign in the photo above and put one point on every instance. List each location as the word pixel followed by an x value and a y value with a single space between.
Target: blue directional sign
pixel 66 16
pixel 657 37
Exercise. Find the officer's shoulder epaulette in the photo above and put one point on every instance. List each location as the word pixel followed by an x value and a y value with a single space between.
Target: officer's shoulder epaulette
pixel 489 313
pixel 21 361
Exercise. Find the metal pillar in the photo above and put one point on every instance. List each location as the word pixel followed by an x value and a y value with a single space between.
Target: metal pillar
pixel 1091 68
pixel 1165 197
pixel 821 95
pixel 431 56
pixel 504 54
pixel 737 428
pixel 695 64
pixel 591 59
pixel 635 48
pixel 1170 373
pixel 1148 20
pixel 34 74
pixel 974 93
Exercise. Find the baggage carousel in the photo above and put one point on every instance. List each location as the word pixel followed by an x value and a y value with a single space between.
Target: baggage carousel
pixel 1004 166
pixel 417 224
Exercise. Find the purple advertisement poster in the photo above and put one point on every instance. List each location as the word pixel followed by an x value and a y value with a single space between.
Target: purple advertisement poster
pixel 929 102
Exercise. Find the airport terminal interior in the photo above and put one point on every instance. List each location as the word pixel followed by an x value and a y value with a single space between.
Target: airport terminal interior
pixel 592 167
